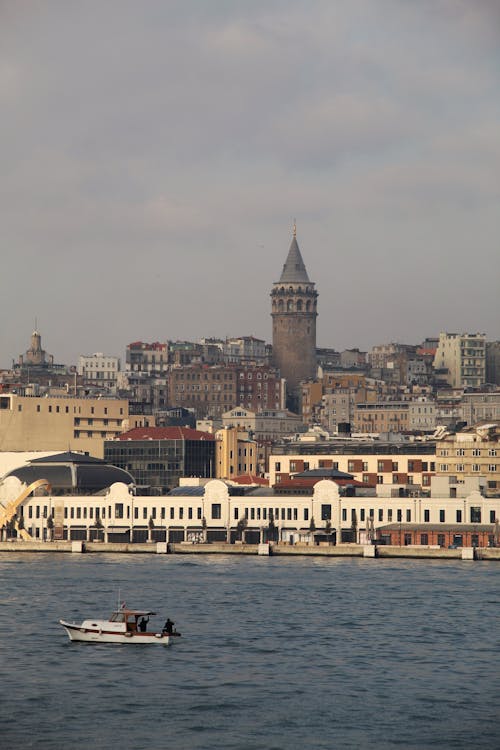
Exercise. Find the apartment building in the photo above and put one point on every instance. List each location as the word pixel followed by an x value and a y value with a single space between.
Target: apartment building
pixel 473 451
pixel 381 417
pixel 152 359
pixel 99 370
pixel 461 359
pixel 394 469
pixel 235 453
pixel 59 423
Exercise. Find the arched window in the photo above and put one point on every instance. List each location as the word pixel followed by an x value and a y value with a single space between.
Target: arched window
pixel 281 305
pixel 299 305
pixel 308 305
pixel 289 305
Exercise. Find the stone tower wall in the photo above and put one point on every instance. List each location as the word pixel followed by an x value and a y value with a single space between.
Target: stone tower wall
pixel 294 332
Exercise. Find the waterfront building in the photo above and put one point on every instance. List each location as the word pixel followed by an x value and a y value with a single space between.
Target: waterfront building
pixel 214 511
pixel 461 359
pixel 294 313
pixel 158 456
pixel 60 422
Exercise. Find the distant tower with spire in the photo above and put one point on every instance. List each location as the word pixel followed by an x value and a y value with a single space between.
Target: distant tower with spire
pixel 294 313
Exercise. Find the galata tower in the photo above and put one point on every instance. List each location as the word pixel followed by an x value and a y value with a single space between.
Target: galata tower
pixel 294 312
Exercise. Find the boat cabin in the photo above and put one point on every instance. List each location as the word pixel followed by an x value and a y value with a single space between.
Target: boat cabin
pixel 130 617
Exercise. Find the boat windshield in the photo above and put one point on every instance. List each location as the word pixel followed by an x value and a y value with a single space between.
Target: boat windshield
pixel 117 617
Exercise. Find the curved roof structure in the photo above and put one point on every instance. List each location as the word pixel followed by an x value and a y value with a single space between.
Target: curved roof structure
pixel 72 472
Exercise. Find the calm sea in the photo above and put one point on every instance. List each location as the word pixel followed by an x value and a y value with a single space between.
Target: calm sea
pixel 276 653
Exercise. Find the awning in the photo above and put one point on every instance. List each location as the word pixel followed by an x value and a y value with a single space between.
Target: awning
pixel 117 529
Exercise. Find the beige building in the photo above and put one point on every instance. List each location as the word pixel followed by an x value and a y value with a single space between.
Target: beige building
pixel 461 359
pixel 270 424
pixel 179 515
pixel 390 468
pixel 422 415
pixel 382 416
pixel 480 407
pixel 475 452
pixel 99 370
pixel 60 423
pixel 235 453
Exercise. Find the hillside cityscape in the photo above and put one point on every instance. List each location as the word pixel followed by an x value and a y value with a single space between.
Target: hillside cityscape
pixel 401 421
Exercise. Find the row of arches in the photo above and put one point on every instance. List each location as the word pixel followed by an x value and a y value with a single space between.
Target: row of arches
pixel 291 305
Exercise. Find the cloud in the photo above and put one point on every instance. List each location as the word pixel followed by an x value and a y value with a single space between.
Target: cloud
pixel 158 152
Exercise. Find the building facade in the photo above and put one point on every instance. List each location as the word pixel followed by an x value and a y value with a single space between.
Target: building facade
pixel 158 456
pixel 60 423
pixel 212 512
pixel 475 452
pixel 99 370
pixel 235 453
pixel 461 359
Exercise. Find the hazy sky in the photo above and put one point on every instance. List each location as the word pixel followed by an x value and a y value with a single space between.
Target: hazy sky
pixel 153 156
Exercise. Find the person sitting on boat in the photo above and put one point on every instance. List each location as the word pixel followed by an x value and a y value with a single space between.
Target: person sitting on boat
pixel 143 624
pixel 169 626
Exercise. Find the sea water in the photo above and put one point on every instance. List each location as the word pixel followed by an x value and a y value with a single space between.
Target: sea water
pixel 275 653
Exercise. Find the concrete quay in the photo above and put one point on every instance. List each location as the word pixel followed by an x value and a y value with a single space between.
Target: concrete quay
pixel 278 550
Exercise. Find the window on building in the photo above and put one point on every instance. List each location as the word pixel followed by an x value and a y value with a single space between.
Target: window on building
pixel 424 539
pixel 427 515
pixel 408 515
pixel 475 514
pixel 380 514
pixel 459 516
pixel 326 512
pixel 216 510
pixel 442 516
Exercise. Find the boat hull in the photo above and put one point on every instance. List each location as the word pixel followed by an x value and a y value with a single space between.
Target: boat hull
pixel 89 635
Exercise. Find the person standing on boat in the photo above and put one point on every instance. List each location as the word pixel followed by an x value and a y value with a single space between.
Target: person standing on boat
pixel 143 624
pixel 169 626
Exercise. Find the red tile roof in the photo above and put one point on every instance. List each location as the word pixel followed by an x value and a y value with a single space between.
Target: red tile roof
pixel 251 479
pixel 165 433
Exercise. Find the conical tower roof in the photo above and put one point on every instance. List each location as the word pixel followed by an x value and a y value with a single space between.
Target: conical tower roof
pixel 294 269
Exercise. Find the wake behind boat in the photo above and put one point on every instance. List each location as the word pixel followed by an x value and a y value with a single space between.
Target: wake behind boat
pixel 124 626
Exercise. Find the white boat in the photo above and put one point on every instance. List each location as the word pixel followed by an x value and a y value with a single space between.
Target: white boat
pixel 124 626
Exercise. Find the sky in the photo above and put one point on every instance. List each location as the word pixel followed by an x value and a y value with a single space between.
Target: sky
pixel 154 156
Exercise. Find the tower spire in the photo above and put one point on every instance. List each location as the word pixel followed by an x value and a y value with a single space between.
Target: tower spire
pixel 294 228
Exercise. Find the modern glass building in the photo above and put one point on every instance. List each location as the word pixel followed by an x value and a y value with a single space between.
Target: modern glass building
pixel 158 456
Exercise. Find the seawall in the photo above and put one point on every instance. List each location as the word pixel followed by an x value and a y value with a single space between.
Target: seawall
pixel 278 550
